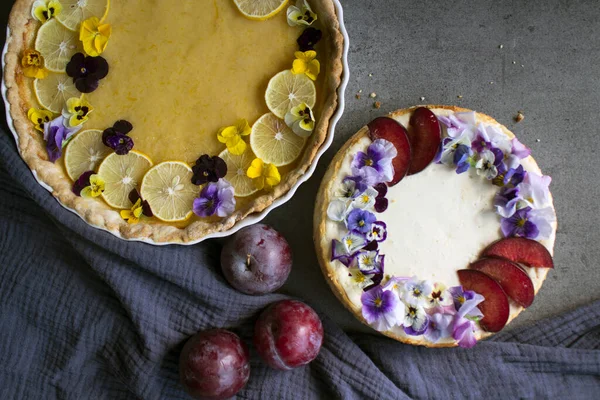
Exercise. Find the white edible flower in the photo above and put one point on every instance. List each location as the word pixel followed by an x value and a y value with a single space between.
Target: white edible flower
pixel 417 292
pixel 366 199
pixel 301 14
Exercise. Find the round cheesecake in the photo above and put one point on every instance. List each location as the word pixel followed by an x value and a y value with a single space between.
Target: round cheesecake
pixel 437 221
pixel 176 90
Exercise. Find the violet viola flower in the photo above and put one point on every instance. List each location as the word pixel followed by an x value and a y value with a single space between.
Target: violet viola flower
pixel 519 149
pixel 465 302
pixel 463 331
pixel 460 125
pixel 346 250
pixel 378 232
pixel 56 135
pixel 455 152
pixel 543 219
pixel 506 201
pixel 379 157
pixel 417 292
pixel 370 262
pixel 81 182
pixel 440 323
pixel 116 137
pixel 519 224
pixel 487 165
pixel 416 320
pixel 382 309
pixel 534 190
pixel 490 136
pixel 360 220
pixel 215 199
pixel 362 178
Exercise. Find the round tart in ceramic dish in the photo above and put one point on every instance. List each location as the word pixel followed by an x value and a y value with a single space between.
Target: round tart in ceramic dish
pixel 173 123
pixel 435 226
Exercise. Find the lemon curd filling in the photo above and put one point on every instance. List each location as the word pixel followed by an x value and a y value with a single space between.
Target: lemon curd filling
pixel 180 73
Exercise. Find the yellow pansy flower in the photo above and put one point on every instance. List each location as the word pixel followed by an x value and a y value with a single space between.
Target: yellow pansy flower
pixel 44 10
pixel 133 215
pixel 307 63
pixel 232 137
pixel 33 65
pixel 94 36
pixel 95 189
pixel 263 175
pixel 301 119
pixel 77 111
pixel 39 118
pixel 300 14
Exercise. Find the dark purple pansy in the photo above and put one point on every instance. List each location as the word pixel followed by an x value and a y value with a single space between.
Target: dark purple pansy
pixel 121 144
pixel 519 225
pixel 371 246
pixel 309 38
pixel 82 182
pixel 87 71
pixel 134 196
pixel 116 137
pixel 208 169
pixel 381 203
pixel 378 232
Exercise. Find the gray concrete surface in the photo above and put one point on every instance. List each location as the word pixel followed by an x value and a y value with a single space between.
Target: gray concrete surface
pixel 548 67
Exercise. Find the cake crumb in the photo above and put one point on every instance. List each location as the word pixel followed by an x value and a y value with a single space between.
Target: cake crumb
pixel 514 62
pixel 501 46
pixel 360 91
pixel 520 116
pixel 370 75
pixel 422 98
pixel 377 104
pixel 357 96
pixel 459 97
pixel 373 95
pixel 491 82
pixel 522 66
pixel 538 140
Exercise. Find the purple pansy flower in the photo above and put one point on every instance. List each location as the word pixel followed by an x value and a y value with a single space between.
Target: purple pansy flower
pixel 370 262
pixel 519 149
pixel 490 136
pixel 465 302
pixel 360 220
pixel 215 199
pixel 416 320
pixel 116 137
pixel 345 250
pixel 543 219
pixel 87 71
pixel 440 323
pixel 460 124
pixel 455 152
pixel 134 196
pixel 417 292
pixel 463 331
pixel 506 201
pixel 382 309
pixel 82 182
pixel 534 190
pixel 378 157
pixel 519 224
pixel 56 136
pixel 378 232
pixel 208 169
pixel 362 178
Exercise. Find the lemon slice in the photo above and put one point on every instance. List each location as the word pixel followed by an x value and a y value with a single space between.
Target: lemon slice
pixel 169 190
pixel 236 172
pixel 53 92
pixel 121 175
pixel 260 9
pixel 287 90
pixel 84 153
pixel 274 142
pixel 57 44
pixel 75 11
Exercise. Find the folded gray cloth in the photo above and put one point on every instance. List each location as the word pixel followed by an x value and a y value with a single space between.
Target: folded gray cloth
pixel 84 315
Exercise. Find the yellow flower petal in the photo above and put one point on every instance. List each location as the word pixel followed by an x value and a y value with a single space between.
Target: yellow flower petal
pixel 138 212
pixel 243 127
pixel 255 169
pixel 314 67
pixel 226 133
pixel 299 66
pixel 87 192
pixel 94 36
pixel 39 118
pixel 272 176
pixel 238 148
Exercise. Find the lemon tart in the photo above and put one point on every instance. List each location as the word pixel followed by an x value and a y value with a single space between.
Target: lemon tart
pixel 169 123
pixel 435 226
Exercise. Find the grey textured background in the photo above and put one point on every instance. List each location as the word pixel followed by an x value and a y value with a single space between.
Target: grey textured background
pixel 442 50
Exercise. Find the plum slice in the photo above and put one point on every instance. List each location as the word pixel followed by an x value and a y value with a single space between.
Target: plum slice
pixel 425 136
pixel 521 250
pixel 495 307
pixel 514 280
pixel 392 131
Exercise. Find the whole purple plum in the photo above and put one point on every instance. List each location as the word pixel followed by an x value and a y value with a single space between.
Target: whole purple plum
pixel 256 260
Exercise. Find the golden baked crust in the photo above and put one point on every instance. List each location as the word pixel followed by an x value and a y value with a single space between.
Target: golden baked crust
pixel 20 97
pixel 323 244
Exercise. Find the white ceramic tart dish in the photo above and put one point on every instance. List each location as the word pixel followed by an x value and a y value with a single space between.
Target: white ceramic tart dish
pixel 184 101
pixel 391 253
